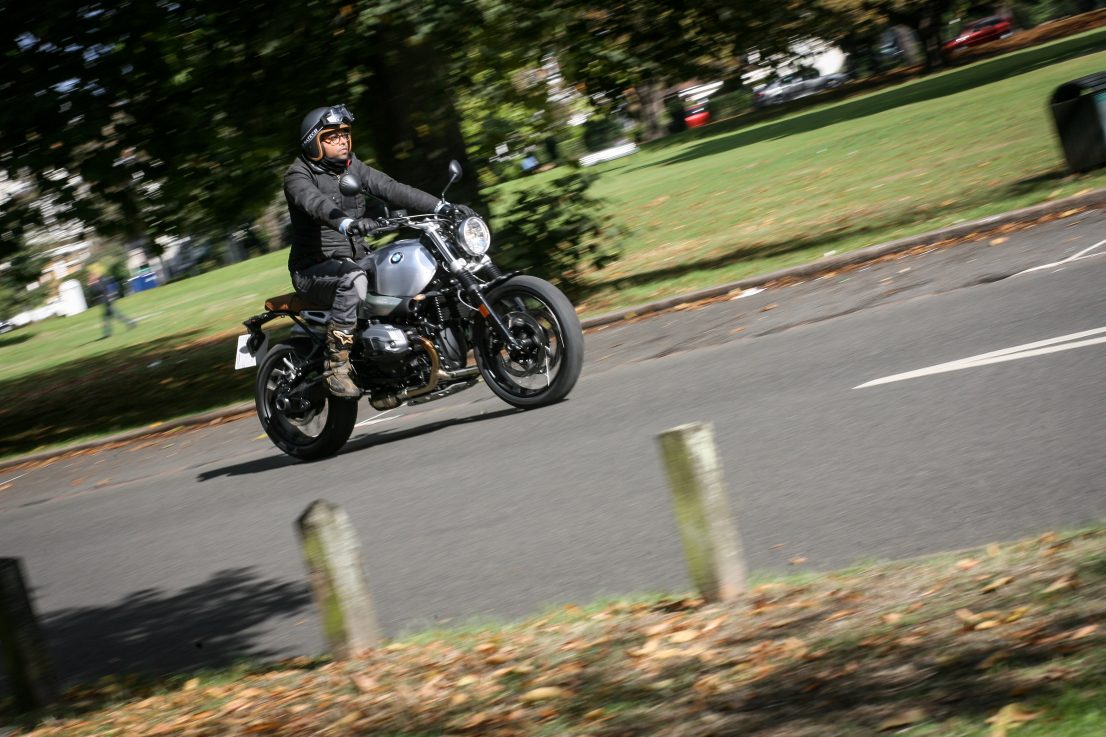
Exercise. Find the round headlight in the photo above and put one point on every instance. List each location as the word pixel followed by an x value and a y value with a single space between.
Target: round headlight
pixel 474 236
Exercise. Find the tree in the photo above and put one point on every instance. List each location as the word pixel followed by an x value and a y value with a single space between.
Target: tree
pixel 925 17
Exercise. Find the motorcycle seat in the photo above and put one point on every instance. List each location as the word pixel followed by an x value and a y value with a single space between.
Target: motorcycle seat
pixel 291 302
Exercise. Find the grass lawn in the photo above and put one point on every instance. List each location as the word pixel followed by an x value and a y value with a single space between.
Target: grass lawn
pixel 701 208
pixel 1004 639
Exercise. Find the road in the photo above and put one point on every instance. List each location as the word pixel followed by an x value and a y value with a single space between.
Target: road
pixel 176 552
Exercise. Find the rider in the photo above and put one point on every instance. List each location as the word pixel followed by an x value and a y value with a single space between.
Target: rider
pixel 329 259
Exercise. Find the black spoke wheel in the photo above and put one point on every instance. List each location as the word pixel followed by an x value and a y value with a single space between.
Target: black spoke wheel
pixel 544 363
pixel 297 412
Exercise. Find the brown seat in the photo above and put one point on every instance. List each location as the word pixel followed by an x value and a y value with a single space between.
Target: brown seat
pixel 291 302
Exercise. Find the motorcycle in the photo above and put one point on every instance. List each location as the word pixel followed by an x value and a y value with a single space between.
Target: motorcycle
pixel 434 298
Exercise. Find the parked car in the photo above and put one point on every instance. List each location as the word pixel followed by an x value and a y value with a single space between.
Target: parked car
pixel 981 31
pixel 697 115
pixel 793 86
pixel 6 327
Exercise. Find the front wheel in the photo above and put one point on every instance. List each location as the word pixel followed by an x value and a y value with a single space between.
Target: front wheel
pixel 545 363
pixel 297 412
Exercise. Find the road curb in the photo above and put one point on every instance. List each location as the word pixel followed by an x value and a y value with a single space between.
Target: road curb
pixel 1096 198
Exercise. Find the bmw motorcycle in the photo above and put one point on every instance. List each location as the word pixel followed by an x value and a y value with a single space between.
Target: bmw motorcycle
pixel 439 316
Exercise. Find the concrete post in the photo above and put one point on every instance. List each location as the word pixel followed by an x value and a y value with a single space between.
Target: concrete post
pixel 715 558
pixel 332 554
pixel 28 662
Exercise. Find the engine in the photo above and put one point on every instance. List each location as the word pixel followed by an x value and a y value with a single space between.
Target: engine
pixel 385 347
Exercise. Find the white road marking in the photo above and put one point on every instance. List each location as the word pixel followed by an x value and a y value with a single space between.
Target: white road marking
pixel 1028 350
pixel 1076 257
pixel 382 417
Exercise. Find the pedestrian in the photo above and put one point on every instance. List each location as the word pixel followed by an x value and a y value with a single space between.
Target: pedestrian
pixel 329 260
pixel 106 290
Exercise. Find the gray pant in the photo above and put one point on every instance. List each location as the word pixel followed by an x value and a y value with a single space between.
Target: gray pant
pixel 341 283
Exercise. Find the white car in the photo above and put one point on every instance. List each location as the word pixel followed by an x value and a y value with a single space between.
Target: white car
pixel 793 86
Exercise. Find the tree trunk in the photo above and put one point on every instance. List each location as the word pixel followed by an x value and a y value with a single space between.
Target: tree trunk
pixel 651 99
pixel 411 117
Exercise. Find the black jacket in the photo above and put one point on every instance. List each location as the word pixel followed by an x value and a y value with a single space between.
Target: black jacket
pixel 317 208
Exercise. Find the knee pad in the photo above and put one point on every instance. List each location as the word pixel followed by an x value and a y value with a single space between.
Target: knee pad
pixel 360 284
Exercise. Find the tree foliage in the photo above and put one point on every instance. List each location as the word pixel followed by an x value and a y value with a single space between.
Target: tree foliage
pixel 559 232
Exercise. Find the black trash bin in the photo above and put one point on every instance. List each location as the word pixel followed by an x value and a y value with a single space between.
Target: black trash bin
pixel 1079 109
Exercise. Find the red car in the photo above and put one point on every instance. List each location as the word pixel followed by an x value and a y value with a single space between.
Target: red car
pixel 697 115
pixel 979 32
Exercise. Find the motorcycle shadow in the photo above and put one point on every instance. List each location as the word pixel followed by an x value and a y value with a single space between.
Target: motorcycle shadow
pixel 279 460
pixel 392 436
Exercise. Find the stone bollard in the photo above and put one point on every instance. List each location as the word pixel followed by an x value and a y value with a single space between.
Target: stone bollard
pixel 715 559
pixel 30 670
pixel 332 554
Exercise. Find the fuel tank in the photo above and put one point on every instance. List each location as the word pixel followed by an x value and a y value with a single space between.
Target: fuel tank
pixel 403 269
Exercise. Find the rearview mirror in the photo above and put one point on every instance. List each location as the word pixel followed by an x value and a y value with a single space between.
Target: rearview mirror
pixel 454 175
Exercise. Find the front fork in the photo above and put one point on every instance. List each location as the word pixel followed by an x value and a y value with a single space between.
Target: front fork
pixel 476 291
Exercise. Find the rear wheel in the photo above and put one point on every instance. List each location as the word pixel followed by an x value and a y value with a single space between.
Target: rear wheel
pixel 297 412
pixel 545 364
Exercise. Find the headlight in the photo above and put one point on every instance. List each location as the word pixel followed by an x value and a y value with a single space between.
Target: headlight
pixel 474 236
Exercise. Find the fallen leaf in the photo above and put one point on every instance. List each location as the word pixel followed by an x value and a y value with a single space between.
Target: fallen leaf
pixel 892 618
pixel 768 307
pixel 967 616
pixel 365 684
pixel 997 583
pixel 1009 716
pixel 192 684
pixel 1082 632
pixel 998 241
pixel 1065 582
pixel 993 550
pixel 544 693
pixel 987 624
pixel 798 560
pixel 683 636
pixel 842 614
pixel 471 722
pixel 904 719
pixel 966 564
pixel 468 680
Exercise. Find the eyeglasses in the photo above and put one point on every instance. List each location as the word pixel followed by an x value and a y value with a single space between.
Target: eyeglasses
pixel 335 138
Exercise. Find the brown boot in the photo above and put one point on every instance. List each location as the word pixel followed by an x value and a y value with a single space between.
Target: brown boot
pixel 339 379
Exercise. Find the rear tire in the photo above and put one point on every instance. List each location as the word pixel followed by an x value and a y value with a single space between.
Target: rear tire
pixel 304 422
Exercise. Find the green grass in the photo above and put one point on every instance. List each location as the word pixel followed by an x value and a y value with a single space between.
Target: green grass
pixel 921 647
pixel 709 206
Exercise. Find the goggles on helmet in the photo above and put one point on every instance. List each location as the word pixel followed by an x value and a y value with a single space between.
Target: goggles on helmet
pixel 333 115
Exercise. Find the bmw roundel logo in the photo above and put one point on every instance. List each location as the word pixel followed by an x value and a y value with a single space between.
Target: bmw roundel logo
pixel 396 258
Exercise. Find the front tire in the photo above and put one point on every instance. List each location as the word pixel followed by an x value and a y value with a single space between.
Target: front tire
pixel 545 369
pixel 297 412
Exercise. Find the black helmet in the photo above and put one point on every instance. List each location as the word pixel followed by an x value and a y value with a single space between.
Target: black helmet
pixel 318 120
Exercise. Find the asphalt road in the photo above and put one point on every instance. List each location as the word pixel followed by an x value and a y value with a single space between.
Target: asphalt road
pixel 178 552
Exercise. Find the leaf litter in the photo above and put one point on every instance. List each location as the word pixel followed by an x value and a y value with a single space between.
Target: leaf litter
pixel 980 649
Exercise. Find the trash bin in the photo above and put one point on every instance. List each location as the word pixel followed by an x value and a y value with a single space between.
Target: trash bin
pixel 142 282
pixel 1079 109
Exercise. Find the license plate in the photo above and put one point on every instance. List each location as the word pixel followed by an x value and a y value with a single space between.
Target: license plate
pixel 244 358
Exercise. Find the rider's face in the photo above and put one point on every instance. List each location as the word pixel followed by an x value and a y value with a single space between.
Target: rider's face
pixel 335 144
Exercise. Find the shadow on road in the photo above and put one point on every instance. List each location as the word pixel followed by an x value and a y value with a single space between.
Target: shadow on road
pixel 279 460
pixel 155 632
pixel 370 441
pixel 260 465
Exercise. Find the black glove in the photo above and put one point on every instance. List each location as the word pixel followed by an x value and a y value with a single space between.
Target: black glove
pixel 362 226
pixel 459 212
